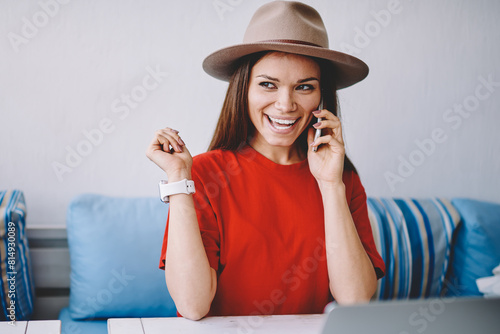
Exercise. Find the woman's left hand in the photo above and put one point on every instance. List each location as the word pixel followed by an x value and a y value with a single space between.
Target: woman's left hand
pixel 327 163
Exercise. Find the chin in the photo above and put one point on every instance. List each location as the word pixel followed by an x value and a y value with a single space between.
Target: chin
pixel 281 142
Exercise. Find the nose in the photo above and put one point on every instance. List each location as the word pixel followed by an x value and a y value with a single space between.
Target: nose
pixel 285 102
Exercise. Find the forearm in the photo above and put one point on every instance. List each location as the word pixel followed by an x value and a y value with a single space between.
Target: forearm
pixel 190 279
pixel 351 273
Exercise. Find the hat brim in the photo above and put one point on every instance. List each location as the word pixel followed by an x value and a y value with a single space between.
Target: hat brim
pixel 348 69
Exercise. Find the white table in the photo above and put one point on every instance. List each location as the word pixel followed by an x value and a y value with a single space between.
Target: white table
pixel 275 324
pixel 31 327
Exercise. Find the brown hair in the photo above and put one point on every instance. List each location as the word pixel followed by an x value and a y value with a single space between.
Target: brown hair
pixel 234 127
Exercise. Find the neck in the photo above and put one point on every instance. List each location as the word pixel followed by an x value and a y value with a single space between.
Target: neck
pixel 283 155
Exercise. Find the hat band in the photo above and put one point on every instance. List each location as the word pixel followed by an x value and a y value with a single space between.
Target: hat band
pixel 290 41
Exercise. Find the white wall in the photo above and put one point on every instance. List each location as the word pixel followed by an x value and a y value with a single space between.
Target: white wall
pixel 70 74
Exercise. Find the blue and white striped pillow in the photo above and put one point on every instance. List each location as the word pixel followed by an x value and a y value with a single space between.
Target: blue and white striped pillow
pixel 413 236
pixel 14 259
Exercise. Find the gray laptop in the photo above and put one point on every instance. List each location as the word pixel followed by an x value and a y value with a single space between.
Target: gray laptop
pixel 423 316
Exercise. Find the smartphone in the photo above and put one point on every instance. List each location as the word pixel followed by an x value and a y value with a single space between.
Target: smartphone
pixel 318 131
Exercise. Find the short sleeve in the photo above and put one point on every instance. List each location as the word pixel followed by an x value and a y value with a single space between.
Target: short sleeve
pixel 359 211
pixel 208 224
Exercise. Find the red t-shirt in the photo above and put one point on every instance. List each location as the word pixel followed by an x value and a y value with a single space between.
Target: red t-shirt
pixel 262 226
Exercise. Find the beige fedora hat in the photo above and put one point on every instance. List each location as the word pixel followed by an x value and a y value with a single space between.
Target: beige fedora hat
pixel 286 26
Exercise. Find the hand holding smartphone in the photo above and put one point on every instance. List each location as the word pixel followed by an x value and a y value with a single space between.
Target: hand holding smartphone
pixel 318 131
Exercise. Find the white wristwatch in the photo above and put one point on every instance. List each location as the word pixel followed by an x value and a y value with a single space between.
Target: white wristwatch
pixel 181 187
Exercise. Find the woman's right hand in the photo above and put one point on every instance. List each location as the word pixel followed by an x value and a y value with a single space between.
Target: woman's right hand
pixel 169 152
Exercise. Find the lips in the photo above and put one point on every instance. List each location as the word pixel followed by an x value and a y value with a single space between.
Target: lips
pixel 281 124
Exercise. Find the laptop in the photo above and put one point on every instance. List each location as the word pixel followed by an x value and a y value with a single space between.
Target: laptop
pixel 465 315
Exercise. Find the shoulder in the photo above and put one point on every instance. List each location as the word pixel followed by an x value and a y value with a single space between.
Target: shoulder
pixel 211 157
pixel 213 161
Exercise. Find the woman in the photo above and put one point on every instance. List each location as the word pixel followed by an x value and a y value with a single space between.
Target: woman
pixel 279 222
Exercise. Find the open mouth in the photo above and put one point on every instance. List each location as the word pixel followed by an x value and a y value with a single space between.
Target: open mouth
pixel 282 124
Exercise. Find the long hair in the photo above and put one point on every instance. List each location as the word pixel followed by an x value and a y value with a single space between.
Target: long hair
pixel 234 127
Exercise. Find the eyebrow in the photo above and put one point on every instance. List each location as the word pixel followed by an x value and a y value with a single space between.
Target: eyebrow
pixel 277 80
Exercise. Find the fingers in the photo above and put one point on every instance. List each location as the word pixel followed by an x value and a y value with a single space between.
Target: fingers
pixel 167 140
pixel 331 141
pixel 329 125
pixel 171 140
pixel 326 115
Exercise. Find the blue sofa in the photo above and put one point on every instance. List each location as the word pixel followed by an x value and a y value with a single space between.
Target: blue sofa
pixel 16 277
pixel 432 248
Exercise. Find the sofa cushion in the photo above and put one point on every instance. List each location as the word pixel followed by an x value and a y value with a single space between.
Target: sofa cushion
pixel 413 237
pixel 16 279
pixel 477 246
pixel 113 245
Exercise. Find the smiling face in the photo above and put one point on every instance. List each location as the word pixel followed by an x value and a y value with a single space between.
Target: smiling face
pixel 283 91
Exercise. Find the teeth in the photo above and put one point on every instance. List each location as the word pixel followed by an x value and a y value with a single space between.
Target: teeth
pixel 282 127
pixel 282 121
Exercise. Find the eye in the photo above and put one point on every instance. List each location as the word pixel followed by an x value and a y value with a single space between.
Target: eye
pixel 305 87
pixel 267 84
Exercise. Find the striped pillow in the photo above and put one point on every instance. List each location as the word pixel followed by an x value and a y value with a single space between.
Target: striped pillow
pixel 16 280
pixel 413 236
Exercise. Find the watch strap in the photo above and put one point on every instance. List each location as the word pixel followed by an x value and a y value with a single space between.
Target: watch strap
pixel 181 187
